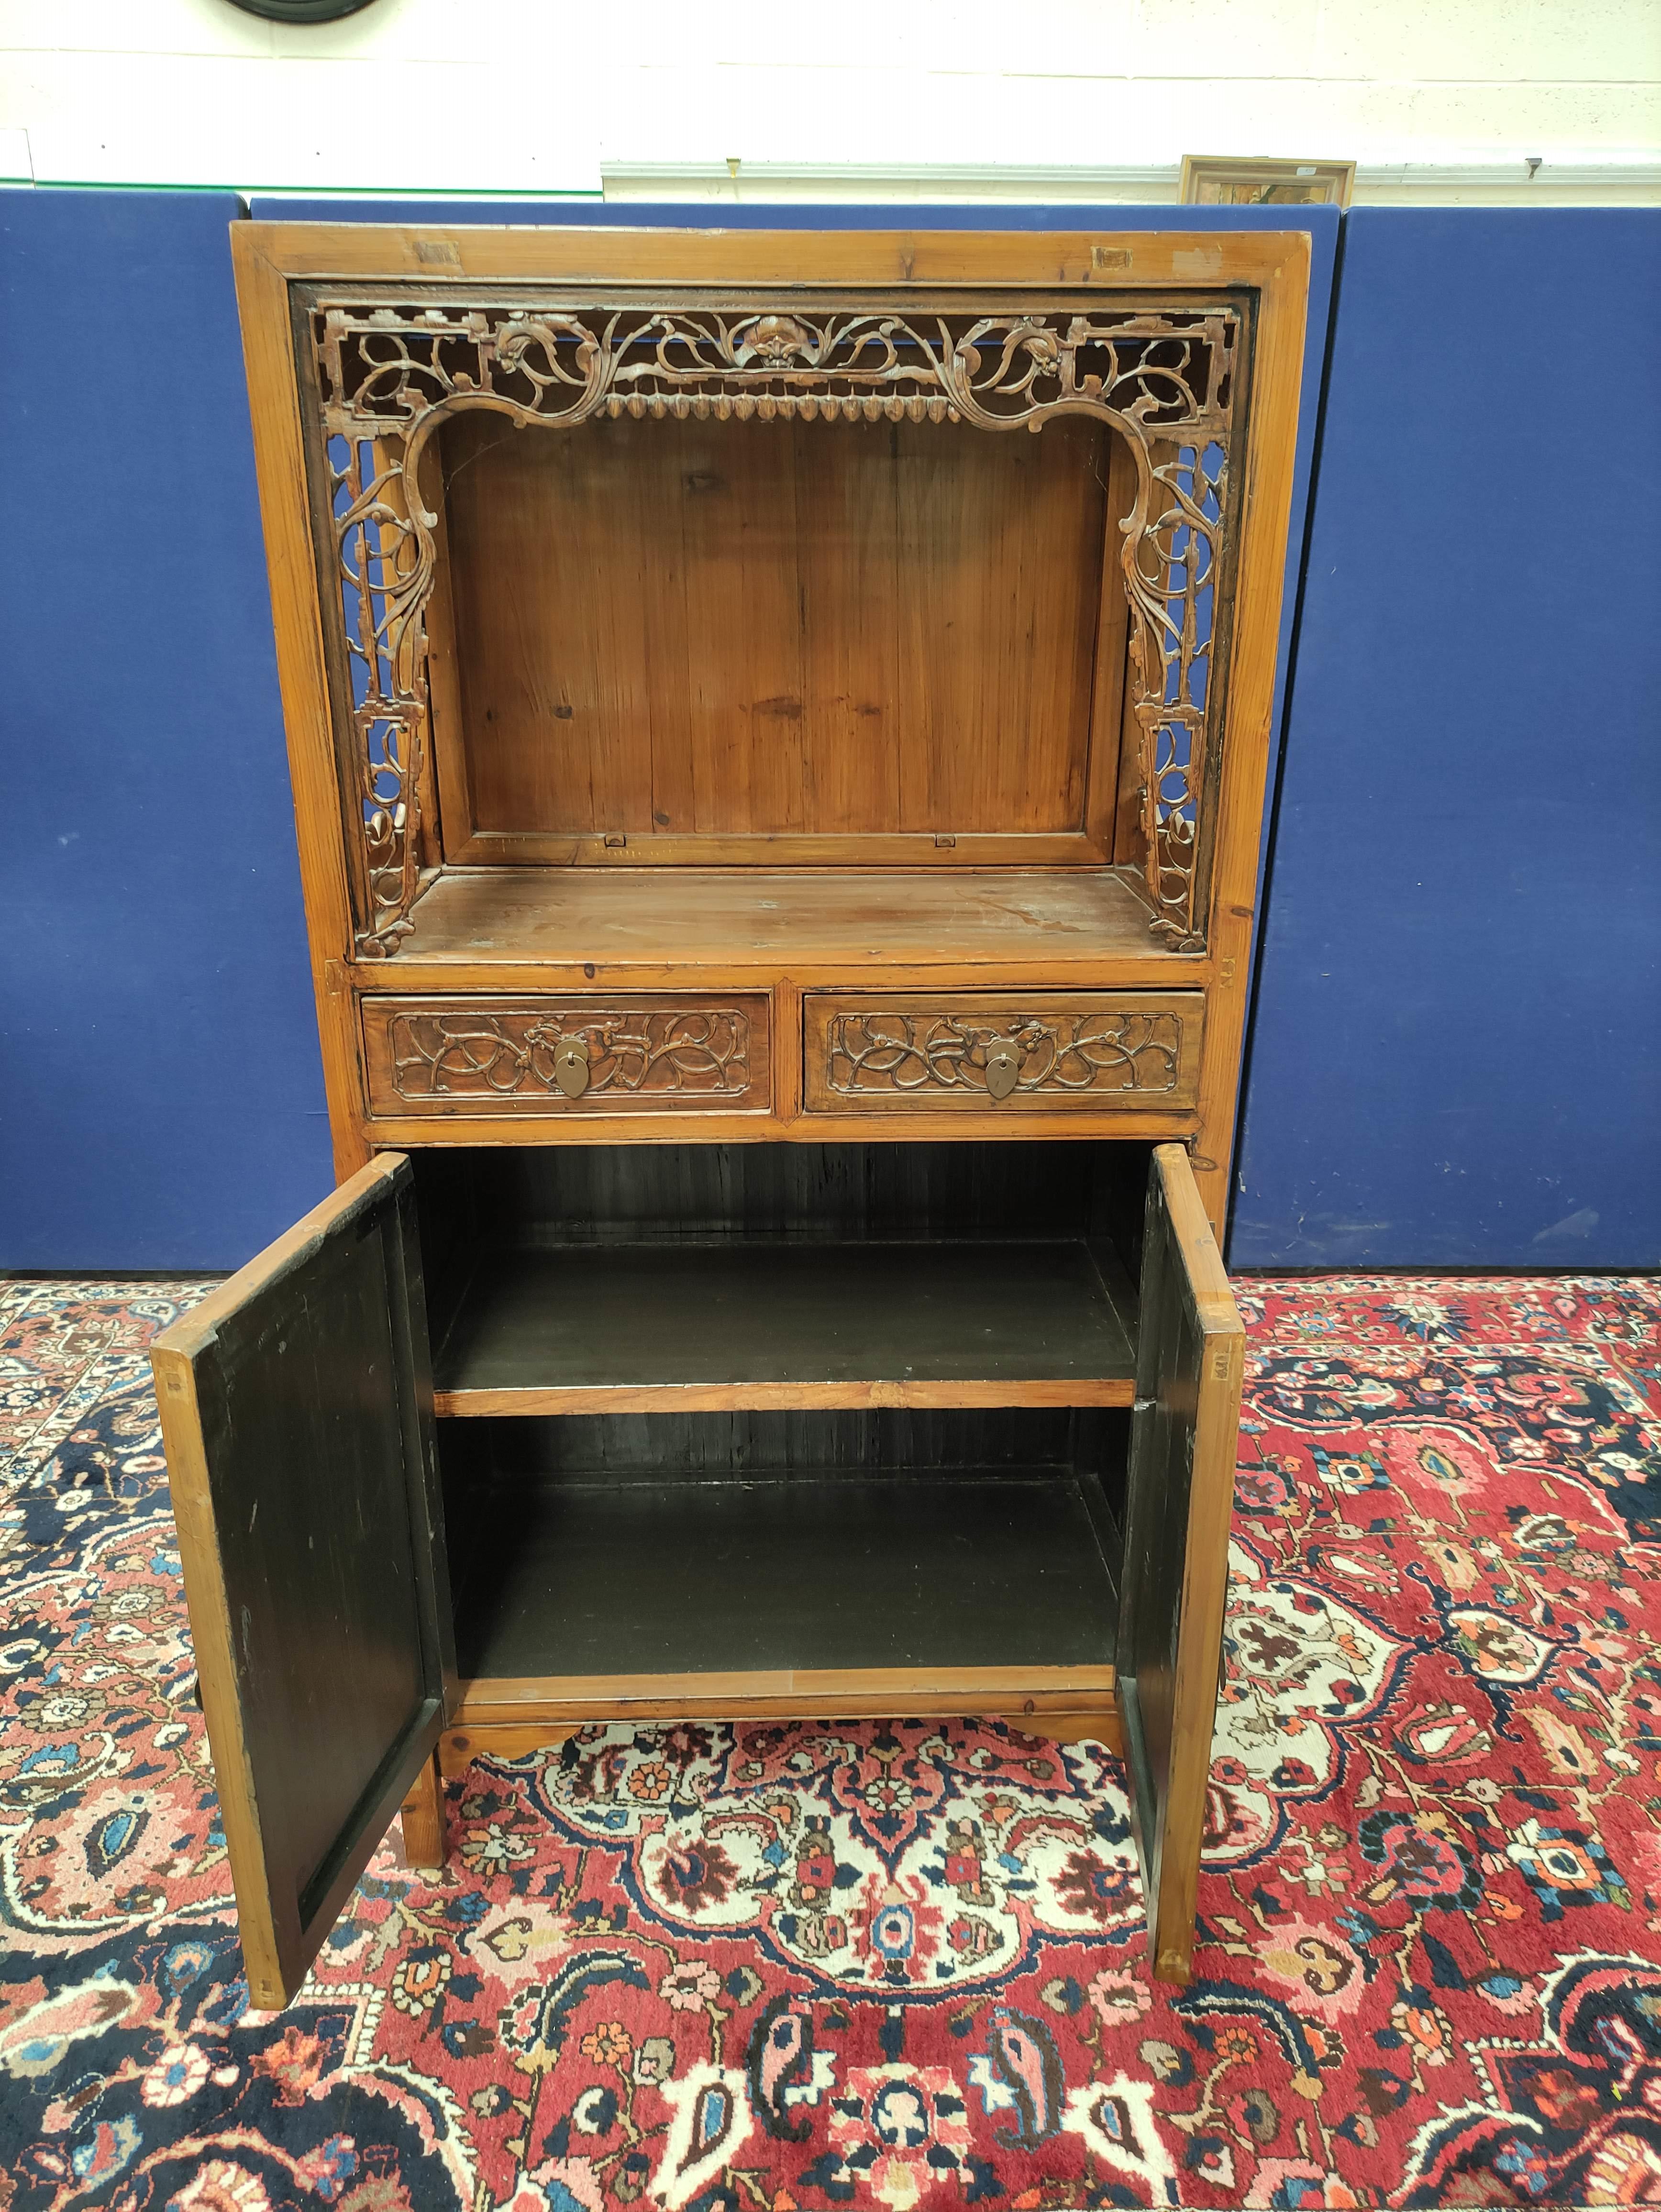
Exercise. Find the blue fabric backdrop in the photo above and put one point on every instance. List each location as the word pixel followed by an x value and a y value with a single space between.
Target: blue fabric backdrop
pixel 162 1096
pixel 1456 1049
pixel 1438 1075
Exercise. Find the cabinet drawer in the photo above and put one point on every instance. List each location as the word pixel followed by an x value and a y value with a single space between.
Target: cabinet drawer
pixel 642 1053
pixel 1002 1051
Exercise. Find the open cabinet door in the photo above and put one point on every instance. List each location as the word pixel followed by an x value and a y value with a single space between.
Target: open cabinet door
pixel 296 1415
pixel 1181 1493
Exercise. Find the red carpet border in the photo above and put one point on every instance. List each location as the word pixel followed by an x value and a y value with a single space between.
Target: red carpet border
pixel 786 1968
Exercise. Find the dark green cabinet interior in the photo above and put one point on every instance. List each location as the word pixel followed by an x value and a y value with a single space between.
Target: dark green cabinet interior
pixel 672 1544
pixel 742 1266
pixel 760 1537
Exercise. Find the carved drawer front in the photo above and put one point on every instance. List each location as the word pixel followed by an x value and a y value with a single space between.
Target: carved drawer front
pixel 638 1053
pixel 1001 1052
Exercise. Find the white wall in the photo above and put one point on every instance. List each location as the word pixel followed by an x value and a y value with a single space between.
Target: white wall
pixel 1440 99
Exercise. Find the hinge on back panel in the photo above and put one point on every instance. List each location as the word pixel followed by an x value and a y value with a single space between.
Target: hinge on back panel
pixel 1144 1405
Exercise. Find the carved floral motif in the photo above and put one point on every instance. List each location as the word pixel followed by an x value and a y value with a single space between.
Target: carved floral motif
pixel 869 1053
pixel 1164 377
pixel 702 1052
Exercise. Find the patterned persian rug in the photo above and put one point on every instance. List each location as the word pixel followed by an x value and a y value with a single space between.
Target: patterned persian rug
pixel 792 1967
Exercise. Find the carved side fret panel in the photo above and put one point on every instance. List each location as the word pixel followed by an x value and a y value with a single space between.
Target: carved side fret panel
pixel 1165 375
pixel 383 602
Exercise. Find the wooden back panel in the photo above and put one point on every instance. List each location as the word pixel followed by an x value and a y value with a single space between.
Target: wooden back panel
pixel 1008 1188
pixel 777 629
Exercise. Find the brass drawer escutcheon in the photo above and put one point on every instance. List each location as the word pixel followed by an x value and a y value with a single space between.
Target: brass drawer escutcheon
pixel 571 1066
pixel 1003 1066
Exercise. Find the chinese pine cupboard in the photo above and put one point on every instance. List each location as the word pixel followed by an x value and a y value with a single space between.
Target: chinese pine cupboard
pixel 778 725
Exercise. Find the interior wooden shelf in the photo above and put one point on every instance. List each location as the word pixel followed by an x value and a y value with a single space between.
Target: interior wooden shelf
pixel 644 1328
pixel 791 1573
pixel 724 921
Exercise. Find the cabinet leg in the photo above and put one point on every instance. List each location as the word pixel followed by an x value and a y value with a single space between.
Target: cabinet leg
pixel 422 1819
pixel 1101 1727
pixel 458 1747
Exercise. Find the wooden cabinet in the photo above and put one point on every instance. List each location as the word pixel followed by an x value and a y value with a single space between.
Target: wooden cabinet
pixel 778 726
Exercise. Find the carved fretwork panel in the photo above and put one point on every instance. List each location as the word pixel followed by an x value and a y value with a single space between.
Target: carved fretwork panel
pixel 383 601
pixel 1175 559
pixel 1163 373
pixel 647 1055
pixel 1096 1050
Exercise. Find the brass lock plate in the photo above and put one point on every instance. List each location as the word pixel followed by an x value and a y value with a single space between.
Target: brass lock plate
pixel 571 1066
pixel 1003 1067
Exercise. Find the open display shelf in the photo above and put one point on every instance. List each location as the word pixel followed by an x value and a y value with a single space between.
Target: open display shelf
pixel 778 726
pixel 743 922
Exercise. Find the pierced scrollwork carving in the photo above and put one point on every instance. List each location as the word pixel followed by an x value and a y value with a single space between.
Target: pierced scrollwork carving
pixel 388 368
pixel 383 601
pixel 868 1055
pixel 1164 375
pixel 631 1053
